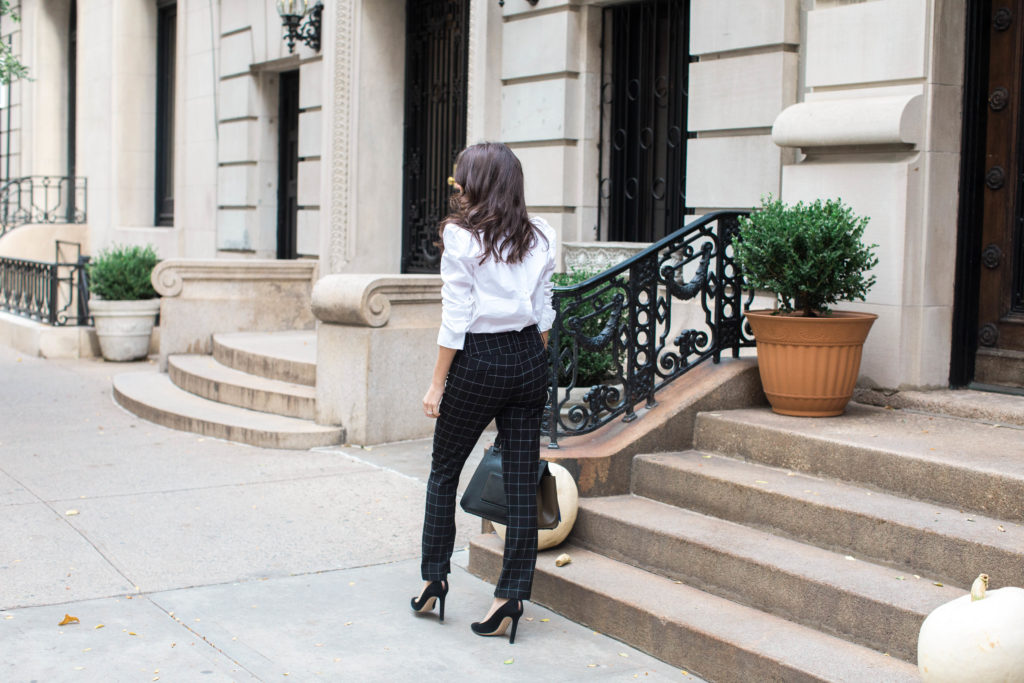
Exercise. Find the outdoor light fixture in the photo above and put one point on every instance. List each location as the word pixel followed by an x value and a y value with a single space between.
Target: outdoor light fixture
pixel 292 13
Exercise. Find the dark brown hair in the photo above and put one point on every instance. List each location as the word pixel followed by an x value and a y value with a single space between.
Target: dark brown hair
pixel 491 204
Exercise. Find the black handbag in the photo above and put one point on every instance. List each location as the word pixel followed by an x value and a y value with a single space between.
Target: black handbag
pixel 485 495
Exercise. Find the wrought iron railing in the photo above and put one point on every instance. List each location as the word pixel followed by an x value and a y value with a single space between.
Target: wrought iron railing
pixel 42 199
pixel 56 293
pixel 618 326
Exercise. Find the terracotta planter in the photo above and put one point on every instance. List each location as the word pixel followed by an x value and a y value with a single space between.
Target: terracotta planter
pixel 809 366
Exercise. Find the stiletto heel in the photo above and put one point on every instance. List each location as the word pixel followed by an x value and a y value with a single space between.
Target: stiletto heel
pixel 508 613
pixel 436 591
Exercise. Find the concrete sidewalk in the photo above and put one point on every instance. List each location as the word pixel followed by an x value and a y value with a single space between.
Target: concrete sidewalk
pixel 187 558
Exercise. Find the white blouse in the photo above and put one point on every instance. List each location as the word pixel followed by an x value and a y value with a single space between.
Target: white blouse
pixel 493 297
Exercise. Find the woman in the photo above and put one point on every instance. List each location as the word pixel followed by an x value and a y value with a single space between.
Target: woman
pixel 496 267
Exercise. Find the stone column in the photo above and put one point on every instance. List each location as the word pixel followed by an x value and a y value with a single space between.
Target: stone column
pixel 879 127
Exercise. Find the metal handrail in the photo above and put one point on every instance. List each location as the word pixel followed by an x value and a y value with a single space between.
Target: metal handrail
pixel 619 322
pixel 42 199
pixel 55 292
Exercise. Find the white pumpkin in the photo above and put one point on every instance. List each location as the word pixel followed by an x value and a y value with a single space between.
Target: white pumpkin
pixel 977 638
pixel 568 506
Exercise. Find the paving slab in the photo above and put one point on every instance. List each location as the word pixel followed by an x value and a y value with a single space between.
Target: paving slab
pixel 44 560
pixel 356 625
pixel 116 639
pixel 214 535
pixel 145 458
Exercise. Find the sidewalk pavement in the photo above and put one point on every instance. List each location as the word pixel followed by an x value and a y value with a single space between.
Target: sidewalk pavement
pixel 187 558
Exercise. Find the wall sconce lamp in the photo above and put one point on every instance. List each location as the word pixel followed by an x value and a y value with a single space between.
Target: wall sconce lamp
pixel 292 13
pixel 501 3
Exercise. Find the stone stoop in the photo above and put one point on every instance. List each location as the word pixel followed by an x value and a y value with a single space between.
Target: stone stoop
pixel 793 549
pixel 256 388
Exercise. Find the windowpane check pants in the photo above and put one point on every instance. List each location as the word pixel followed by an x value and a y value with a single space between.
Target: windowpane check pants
pixel 501 376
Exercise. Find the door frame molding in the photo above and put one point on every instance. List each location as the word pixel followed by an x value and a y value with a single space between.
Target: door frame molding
pixel 971 201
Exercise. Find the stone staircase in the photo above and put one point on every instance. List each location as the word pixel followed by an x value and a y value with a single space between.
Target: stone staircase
pixel 790 549
pixel 256 388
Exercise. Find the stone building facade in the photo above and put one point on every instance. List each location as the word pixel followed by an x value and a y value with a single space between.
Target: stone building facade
pixel 340 155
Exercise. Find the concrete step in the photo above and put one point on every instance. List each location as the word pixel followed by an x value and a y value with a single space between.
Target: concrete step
pixel 845 597
pixel 953 462
pixel 284 356
pixel 206 377
pixel 152 395
pixel 980 406
pixel 943 543
pixel 729 642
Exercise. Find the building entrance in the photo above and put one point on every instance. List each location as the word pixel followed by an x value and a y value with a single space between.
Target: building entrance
pixel 436 64
pixel 645 64
pixel 992 221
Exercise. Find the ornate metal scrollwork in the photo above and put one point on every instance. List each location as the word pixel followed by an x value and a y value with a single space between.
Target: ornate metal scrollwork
pixel 995 178
pixel 998 99
pixel 671 274
pixel 988 335
pixel 992 256
pixel 637 349
pixel 1002 19
pixel 611 326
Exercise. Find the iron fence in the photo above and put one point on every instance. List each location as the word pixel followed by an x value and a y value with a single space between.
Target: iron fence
pixel 42 199
pixel 617 327
pixel 55 293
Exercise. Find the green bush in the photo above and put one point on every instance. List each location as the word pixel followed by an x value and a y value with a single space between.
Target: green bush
pixel 122 273
pixel 592 367
pixel 810 255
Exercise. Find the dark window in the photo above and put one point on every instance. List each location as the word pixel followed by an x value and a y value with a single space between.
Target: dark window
pixel 288 166
pixel 167 30
pixel 645 63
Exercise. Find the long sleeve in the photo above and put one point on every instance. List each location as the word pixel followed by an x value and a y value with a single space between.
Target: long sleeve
pixel 542 297
pixel 457 265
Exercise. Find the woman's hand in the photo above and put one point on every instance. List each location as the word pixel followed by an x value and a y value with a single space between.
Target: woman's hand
pixel 432 401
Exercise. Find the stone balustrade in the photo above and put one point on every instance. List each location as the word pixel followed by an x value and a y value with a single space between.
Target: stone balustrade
pixel 376 348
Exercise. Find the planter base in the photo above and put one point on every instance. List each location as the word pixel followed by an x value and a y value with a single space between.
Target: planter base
pixel 124 328
pixel 809 366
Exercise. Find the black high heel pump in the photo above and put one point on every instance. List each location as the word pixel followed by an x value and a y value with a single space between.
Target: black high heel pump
pixel 435 590
pixel 499 621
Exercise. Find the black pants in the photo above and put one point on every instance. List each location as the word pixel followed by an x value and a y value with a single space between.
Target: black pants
pixel 501 376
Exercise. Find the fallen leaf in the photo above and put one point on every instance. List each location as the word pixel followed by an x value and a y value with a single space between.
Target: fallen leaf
pixel 623 654
pixel 348 623
pixel 901 578
pixel 760 481
pixel 98 626
pixel 545 619
pixel 509 660
pixel 851 558
pixel 1000 527
pixel 86 649
pixel 68 619
pixel 591 666
pixel 71 513
pixel 938 583
pixel 529 618
pixel 132 633
pixel 562 560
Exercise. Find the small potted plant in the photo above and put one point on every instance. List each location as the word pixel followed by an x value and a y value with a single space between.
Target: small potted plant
pixel 811 256
pixel 122 301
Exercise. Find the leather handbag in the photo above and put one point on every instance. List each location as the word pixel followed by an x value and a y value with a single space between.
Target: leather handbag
pixel 485 495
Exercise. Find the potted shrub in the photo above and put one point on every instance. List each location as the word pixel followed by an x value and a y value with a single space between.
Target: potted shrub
pixel 811 256
pixel 123 303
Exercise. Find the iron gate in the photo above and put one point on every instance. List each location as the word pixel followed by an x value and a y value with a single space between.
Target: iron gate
pixel 436 62
pixel 645 65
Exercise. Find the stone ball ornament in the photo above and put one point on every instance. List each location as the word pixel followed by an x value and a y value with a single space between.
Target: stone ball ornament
pixel 568 507
pixel 977 638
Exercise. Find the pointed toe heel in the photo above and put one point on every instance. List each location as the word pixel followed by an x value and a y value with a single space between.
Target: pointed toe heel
pixel 435 592
pixel 506 615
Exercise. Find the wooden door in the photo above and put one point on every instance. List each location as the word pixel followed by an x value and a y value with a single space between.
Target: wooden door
pixel 1000 323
